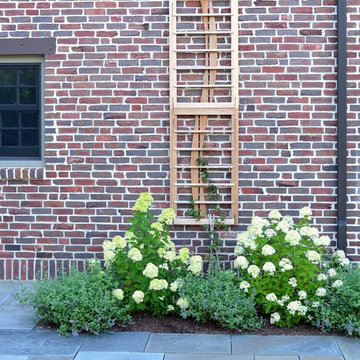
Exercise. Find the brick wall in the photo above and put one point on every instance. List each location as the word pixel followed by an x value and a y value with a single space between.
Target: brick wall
pixel 107 124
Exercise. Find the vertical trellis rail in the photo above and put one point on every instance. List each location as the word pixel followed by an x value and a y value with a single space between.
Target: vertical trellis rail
pixel 210 106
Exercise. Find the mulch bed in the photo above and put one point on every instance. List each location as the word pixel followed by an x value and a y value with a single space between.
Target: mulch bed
pixel 176 324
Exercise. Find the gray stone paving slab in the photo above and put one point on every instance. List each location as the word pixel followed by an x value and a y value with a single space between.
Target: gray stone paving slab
pixel 16 317
pixel 207 357
pixel 95 355
pixel 51 357
pixel 38 342
pixel 350 347
pixel 321 358
pixel 188 343
pixel 120 341
pixel 271 357
pixel 285 345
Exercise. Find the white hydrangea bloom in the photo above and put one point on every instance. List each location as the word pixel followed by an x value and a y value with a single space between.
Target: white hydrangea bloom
pixel 118 294
pixel 312 232
pixel 269 233
pixel 322 241
pixel 337 284
pixel 305 211
pixel 302 295
pixel 151 271
pixel 134 254
pixel 164 266
pixel 238 250
pixel 315 304
pixel 271 297
pixel 241 262
pixel 246 240
pixel 296 306
pixel 170 255
pixel 285 264
pixel 344 262
pixel 182 303
pixel 268 250
pixel 170 308
pixel 158 284
pixel 119 242
pixel 244 285
pixel 293 238
pixel 259 222
pixel 283 226
pixel 174 286
pixel 313 256
pixel 288 219
pixel 254 231
pixel 332 272
pixel 320 292
pixel 339 254
pixel 196 264
pixel 293 282
pixel 322 277
pixel 161 252
pixel 285 298
pixel 138 296
pixel 269 267
pixel 274 318
pixel 157 226
pixel 254 271
pixel 274 215
pixel 109 252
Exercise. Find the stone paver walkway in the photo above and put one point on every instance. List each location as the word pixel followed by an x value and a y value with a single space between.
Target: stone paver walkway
pixel 19 341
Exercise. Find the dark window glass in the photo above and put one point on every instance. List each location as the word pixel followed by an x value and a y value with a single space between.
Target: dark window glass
pixel 9 119
pixel 27 95
pixel 8 76
pixel 29 119
pixel 7 95
pixel 10 138
pixel 27 77
pixel 20 125
pixel 29 138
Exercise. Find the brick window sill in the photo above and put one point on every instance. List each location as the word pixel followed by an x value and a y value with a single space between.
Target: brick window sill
pixel 22 173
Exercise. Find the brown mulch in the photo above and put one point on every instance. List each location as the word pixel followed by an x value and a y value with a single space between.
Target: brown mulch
pixel 176 324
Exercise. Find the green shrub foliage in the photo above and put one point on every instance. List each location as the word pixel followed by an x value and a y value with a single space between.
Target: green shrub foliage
pixel 76 302
pixel 218 298
pixel 279 261
pixel 146 264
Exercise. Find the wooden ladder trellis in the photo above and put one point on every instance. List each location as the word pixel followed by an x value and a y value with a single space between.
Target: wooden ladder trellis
pixel 207 107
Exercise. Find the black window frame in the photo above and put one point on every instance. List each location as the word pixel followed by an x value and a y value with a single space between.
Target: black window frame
pixel 23 152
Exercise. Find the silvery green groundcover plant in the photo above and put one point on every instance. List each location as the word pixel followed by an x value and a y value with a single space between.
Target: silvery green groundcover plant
pixel 279 260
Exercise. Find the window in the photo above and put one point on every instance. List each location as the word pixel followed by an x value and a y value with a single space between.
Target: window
pixel 20 111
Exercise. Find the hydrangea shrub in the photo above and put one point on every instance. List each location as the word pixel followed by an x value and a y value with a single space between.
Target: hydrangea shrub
pixel 279 261
pixel 146 264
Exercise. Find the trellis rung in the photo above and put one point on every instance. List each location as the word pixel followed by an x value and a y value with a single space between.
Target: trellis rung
pixel 200 32
pixel 205 14
pixel 185 51
pixel 203 202
pixel 203 68
pixel 203 149
pixel 200 86
pixel 219 185
pixel 184 221
pixel 212 132
pixel 204 167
